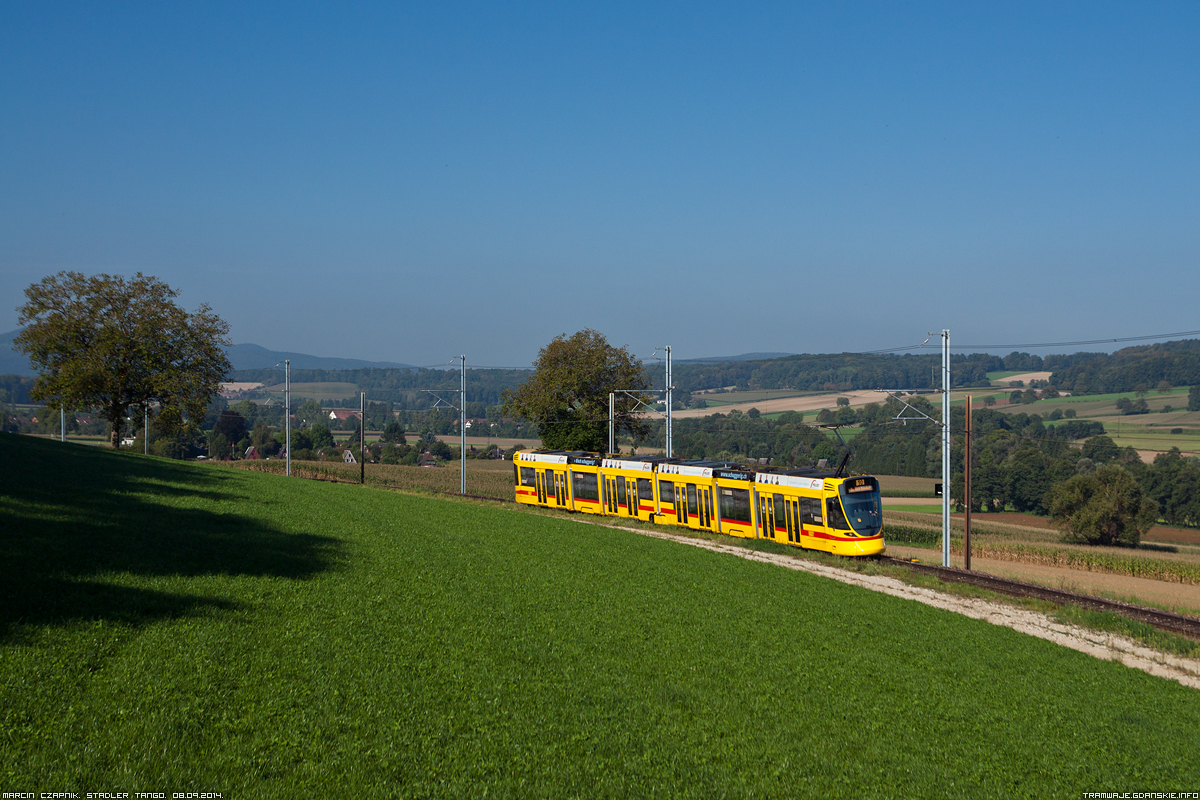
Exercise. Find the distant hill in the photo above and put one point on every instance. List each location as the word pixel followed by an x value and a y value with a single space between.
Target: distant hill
pixel 12 362
pixel 241 356
pixel 742 357
pixel 253 356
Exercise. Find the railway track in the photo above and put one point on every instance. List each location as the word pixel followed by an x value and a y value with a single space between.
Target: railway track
pixel 1164 620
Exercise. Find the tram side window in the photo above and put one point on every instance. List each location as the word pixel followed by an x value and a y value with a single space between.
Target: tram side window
pixel 645 489
pixel 735 505
pixel 780 518
pixel 810 511
pixel 586 486
pixel 528 478
pixel 666 492
pixel 837 519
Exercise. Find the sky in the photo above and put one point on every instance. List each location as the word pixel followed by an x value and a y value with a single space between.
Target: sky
pixel 413 181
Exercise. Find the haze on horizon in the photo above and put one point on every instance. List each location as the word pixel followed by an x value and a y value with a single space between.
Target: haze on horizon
pixel 407 182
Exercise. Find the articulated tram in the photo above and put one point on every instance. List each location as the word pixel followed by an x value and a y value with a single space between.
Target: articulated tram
pixel 813 509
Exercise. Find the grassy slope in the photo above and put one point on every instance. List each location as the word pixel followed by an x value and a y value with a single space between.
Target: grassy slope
pixel 171 627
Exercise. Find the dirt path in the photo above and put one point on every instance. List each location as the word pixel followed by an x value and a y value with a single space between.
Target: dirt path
pixel 1101 645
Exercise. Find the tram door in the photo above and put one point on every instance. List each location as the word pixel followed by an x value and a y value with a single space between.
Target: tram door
pixel 610 495
pixel 706 508
pixel 762 517
pixel 560 488
pixel 541 486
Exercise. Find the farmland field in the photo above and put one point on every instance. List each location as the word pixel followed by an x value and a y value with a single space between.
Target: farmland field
pixel 171 627
pixel 749 396
pixel 327 390
pixel 904 486
pixel 795 402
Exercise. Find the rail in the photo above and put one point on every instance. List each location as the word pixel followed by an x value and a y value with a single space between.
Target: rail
pixel 1163 620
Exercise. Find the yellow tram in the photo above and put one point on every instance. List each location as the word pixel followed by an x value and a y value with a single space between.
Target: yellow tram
pixel 813 509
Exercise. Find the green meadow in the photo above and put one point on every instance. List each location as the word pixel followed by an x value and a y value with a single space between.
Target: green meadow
pixel 173 627
pixel 325 390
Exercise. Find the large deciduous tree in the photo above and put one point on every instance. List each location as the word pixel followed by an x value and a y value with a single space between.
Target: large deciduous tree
pixel 1105 507
pixel 567 395
pixel 113 344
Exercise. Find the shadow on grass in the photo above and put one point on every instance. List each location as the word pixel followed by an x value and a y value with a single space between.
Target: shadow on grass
pixel 73 512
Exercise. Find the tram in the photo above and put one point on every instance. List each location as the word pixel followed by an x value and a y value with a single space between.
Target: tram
pixel 809 508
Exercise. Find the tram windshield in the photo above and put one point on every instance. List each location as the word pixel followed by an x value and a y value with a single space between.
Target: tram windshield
pixel 860 499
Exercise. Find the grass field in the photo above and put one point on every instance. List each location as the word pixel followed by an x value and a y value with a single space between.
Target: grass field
pixel 486 477
pixel 753 396
pixel 172 627
pixel 1146 432
pixel 904 486
pixel 327 390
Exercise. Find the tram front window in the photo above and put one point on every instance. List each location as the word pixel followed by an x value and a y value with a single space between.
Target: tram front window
pixel 864 511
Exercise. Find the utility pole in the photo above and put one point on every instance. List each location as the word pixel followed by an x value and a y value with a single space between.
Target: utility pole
pixel 612 408
pixel 946 447
pixel 62 424
pixel 462 424
pixel 461 408
pixel 287 413
pixel 362 438
pixel 145 431
pixel 967 487
pixel 670 387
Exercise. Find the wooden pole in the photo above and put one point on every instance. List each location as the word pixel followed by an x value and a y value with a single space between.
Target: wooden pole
pixel 967 487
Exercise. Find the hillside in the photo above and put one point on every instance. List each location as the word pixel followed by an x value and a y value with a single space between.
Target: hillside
pixel 184 626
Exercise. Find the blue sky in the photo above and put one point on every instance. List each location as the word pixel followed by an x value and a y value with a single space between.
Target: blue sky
pixel 408 182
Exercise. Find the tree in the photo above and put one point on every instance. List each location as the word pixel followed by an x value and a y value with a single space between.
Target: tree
pixel 1194 398
pixel 232 425
pixel 1100 449
pixel 310 413
pixel 1105 507
pixel 107 343
pixel 319 436
pixel 567 395
pixel 394 433
pixel 218 446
